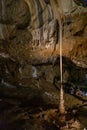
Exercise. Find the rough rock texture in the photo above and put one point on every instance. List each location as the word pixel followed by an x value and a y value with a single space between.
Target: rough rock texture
pixel 29 30
pixel 29 69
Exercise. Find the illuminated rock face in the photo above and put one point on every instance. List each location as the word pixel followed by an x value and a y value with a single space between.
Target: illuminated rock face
pixel 29 29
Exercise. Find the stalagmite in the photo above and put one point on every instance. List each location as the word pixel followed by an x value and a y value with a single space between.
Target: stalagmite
pixel 61 105
pixel 58 15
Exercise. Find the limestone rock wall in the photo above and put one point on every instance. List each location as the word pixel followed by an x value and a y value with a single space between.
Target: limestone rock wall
pixel 29 30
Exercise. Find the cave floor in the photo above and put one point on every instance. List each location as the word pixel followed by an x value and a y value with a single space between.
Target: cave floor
pixel 25 109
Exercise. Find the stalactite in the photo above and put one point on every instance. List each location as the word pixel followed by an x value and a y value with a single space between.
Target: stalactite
pixel 57 13
pixel 61 106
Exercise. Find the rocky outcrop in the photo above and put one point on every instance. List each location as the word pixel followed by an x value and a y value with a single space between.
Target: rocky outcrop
pixel 29 32
pixel 30 29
